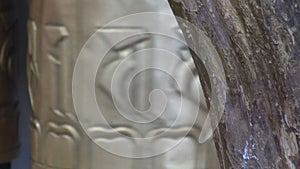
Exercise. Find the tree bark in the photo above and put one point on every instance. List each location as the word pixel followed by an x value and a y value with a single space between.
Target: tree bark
pixel 259 45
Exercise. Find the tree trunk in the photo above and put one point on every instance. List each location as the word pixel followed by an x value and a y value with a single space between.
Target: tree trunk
pixel 259 44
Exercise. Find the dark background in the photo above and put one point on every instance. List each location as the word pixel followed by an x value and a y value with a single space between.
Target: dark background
pixel 21 14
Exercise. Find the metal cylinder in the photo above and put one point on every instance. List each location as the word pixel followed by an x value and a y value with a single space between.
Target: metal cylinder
pixel 9 144
pixel 57 32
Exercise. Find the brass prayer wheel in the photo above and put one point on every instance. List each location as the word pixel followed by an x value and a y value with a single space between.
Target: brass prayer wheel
pixel 57 31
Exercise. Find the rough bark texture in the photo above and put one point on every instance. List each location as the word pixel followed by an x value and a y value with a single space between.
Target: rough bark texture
pixel 259 44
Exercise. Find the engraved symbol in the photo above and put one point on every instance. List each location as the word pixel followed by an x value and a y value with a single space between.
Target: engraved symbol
pixel 64 139
pixel 55 35
pixel 33 71
pixel 32 48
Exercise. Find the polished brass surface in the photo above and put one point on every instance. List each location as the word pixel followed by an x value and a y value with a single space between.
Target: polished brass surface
pixel 8 115
pixel 57 31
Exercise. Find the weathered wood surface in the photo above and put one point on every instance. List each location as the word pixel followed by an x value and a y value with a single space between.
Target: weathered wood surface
pixel 259 45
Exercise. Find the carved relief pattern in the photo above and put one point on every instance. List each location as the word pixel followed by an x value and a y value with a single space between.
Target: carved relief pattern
pixel 55 39
pixel 33 70
pixel 55 134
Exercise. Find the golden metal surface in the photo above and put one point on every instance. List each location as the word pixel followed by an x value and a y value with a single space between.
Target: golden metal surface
pixel 57 31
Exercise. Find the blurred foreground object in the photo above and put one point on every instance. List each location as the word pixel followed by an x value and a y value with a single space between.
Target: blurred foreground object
pixel 9 144
pixel 5 166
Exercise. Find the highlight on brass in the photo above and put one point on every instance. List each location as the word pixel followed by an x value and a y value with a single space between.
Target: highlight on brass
pixel 149 84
